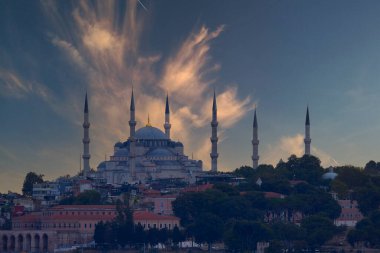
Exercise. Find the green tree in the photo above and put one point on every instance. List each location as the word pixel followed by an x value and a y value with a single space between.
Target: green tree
pixel 30 179
pixel 90 197
pixel 318 229
pixel 243 235
pixel 177 236
pixel 208 228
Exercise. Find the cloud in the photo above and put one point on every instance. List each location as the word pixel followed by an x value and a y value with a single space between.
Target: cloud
pixel 102 41
pixel 11 84
pixel 289 145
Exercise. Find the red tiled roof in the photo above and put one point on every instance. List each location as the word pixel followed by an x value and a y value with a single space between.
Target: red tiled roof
pixel 151 192
pixel 145 215
pixel 83 207
pixel 295 182
pixel 198 188
pixel 274 195
pixel 33 217
pixel 172 196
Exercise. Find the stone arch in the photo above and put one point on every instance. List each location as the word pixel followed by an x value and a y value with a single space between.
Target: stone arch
pixel 20 242
pixel 45 242
pixel 12 243
pixel 36 242
pixel 4 242
pixel 28 243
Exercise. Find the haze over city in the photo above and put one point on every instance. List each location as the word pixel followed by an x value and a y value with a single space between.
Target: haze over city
pixel 276 56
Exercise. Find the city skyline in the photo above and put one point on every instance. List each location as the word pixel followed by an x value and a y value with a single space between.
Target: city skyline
pixel 278 57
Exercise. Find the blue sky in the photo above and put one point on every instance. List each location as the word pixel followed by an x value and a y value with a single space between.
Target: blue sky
pixel 277 55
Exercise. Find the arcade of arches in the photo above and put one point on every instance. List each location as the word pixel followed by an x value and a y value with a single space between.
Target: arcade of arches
pixel 26 241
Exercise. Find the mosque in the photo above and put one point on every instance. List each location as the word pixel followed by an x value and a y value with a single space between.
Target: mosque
pixel 150 154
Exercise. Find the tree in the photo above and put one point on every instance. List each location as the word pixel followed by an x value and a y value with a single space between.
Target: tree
pixel 90 197
pixel 319 229
pixel 372 168
pixel 30 179
pixel 208 228
pixel 100 233
pixel 243 235
pixel 177 236
pixel 366 231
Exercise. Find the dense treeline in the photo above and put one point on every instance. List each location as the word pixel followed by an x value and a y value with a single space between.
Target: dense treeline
pixel 123 233
pixel 364 186
pixel 241 216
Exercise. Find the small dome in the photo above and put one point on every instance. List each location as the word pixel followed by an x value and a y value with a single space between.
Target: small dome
pixel 102 166
pixel 331 175
pixel 179 144
pixel 118 144
pixel 160 152
pixel 150 133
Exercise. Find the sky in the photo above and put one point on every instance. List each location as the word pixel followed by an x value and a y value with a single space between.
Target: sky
pixel 273 55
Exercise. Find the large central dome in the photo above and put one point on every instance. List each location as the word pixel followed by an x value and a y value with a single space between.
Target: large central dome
pixel 150 133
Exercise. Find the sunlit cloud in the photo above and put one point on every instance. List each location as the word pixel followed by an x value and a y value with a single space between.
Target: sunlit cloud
pixel 294 145
pixel 101 40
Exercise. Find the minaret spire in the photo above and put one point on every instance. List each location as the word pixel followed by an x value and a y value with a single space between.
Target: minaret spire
pixel 214 137
pixel 307 139
pixel 86 140
pixel 167 124
pixel 255 143
pixel 132 151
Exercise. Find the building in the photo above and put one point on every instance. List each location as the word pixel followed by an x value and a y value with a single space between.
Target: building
pixel 148 154
pixel 64 226
pixel 152 220
pixel 350 214
pixel 47 192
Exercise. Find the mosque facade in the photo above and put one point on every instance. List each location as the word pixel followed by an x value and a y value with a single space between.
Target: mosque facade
pixel 148 154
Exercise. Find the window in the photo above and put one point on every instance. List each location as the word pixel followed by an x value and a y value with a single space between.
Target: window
pixel 85 225
pixel 90 225
pixel 160 225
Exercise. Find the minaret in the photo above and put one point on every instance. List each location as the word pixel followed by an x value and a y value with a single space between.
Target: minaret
pixel 86 140
pixel 132 151
pixel 307 139
pixel 167 124
pixel 214 137
pixel 255 143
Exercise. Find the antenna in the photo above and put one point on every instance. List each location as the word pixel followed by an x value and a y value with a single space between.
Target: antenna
pixel 80 163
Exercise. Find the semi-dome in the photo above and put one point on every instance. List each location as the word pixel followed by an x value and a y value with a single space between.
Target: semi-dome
pixel 150 133
pixel 118 144
pixel 102 166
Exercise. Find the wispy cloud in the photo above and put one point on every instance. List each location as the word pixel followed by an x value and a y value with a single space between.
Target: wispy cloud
pixel 11 84
pixel 289 145
pixel 103 40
